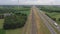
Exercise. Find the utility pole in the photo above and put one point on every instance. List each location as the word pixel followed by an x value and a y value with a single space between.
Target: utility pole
pixel 18 4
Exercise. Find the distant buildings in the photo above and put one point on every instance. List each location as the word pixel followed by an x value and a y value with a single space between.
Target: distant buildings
pixel 4 15
pixel 7 14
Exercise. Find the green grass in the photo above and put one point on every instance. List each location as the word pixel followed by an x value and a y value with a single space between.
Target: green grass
pixel 25 12
pixel 1 23
pixel 1 26
pixel 55 29
pixel 14 31
pixel 2 31
pixel 43 28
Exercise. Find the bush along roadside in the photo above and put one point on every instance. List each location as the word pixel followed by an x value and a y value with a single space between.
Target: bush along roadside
pixel 17 20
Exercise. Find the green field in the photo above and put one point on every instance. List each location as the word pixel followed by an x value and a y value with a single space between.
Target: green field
pixel 2 31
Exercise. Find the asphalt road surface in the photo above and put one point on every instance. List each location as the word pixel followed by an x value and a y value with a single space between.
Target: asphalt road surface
pixel 34 27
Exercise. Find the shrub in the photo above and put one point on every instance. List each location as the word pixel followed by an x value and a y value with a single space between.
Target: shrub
pixel 54 19
pixel 15 21
pixel 59 19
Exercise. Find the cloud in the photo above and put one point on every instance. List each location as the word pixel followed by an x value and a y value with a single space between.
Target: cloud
pixel 30 2
pixel 37 2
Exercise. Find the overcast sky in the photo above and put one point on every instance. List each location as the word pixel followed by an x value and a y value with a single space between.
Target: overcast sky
pixel 30 2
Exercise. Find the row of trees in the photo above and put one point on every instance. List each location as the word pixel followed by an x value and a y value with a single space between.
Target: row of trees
pixel 50 9
pixel 17 20
pixel 12 9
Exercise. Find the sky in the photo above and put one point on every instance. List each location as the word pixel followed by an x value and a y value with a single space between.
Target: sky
pixel 30 2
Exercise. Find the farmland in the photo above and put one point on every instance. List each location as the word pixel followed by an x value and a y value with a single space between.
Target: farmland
pixel 52 11
pixel 18 15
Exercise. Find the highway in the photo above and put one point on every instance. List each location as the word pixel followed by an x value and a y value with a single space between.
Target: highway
pixel 33 28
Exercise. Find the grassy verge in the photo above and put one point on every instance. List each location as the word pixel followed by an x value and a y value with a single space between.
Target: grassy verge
pixel 15 31
pixel 43 28
pixel 2 31
pixel 1 23
pixel 1 26
pixel 55 29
